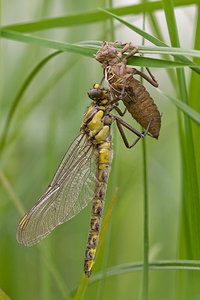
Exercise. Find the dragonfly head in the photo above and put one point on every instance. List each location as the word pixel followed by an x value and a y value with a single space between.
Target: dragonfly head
pixel 99 95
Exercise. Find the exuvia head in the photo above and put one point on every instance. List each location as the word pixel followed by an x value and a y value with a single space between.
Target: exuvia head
pixel 99 95
pixel 106 53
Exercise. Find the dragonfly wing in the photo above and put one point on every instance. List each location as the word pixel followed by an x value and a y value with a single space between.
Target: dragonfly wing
pixel 70 191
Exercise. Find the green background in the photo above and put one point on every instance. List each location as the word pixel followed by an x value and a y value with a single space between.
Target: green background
pixel 45 121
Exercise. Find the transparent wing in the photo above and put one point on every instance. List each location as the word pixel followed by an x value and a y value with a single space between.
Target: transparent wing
pixel 70 191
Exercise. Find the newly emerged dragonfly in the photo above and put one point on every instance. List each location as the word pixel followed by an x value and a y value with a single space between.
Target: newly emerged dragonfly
pixel 122 83
pixel 80 178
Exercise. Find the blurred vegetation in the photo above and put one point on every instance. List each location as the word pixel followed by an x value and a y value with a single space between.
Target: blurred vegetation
pixel 43 99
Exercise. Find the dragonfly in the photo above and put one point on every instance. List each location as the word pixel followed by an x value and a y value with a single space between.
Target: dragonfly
pixel 80 178
pixel 122 83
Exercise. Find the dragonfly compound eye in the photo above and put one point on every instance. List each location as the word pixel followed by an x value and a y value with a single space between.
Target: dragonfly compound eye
pixel 96 94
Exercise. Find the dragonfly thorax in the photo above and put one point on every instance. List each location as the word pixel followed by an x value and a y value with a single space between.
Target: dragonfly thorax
pixel 96 124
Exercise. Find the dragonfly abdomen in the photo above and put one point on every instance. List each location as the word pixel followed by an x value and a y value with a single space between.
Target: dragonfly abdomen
pixel 103 161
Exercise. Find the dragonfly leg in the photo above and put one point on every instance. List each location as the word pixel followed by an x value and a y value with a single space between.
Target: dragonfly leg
pixel 123 88
pixel 124 85
pixel 100 84
pixel 140 135
pixel 119 110
pixel 117 99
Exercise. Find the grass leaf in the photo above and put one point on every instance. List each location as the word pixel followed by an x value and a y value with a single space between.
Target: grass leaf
pixel 91 17
pixel 84 281
pixel 155 41
pixel 48 43
pixel 19 95
pixel 191 113
pixel 3 295
pixel 153 265
pixel 189 246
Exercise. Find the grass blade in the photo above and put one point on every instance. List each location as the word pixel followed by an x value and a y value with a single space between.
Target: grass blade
pixel 145 280
pixel 77 49
pixel 8 188
pixel 38 98
pixel 192 265
pixel 84 281
pixel 19 95
pixel 191 113
pixel 106 222
pixel 90 48
pixel 146 227
pixel 55 273
pixel 3 295
pixel 92 17
pixel 194 92
pixel 158 63
pixel 191 192
pixel 60 282
pixel 189 246
pixel 153 40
